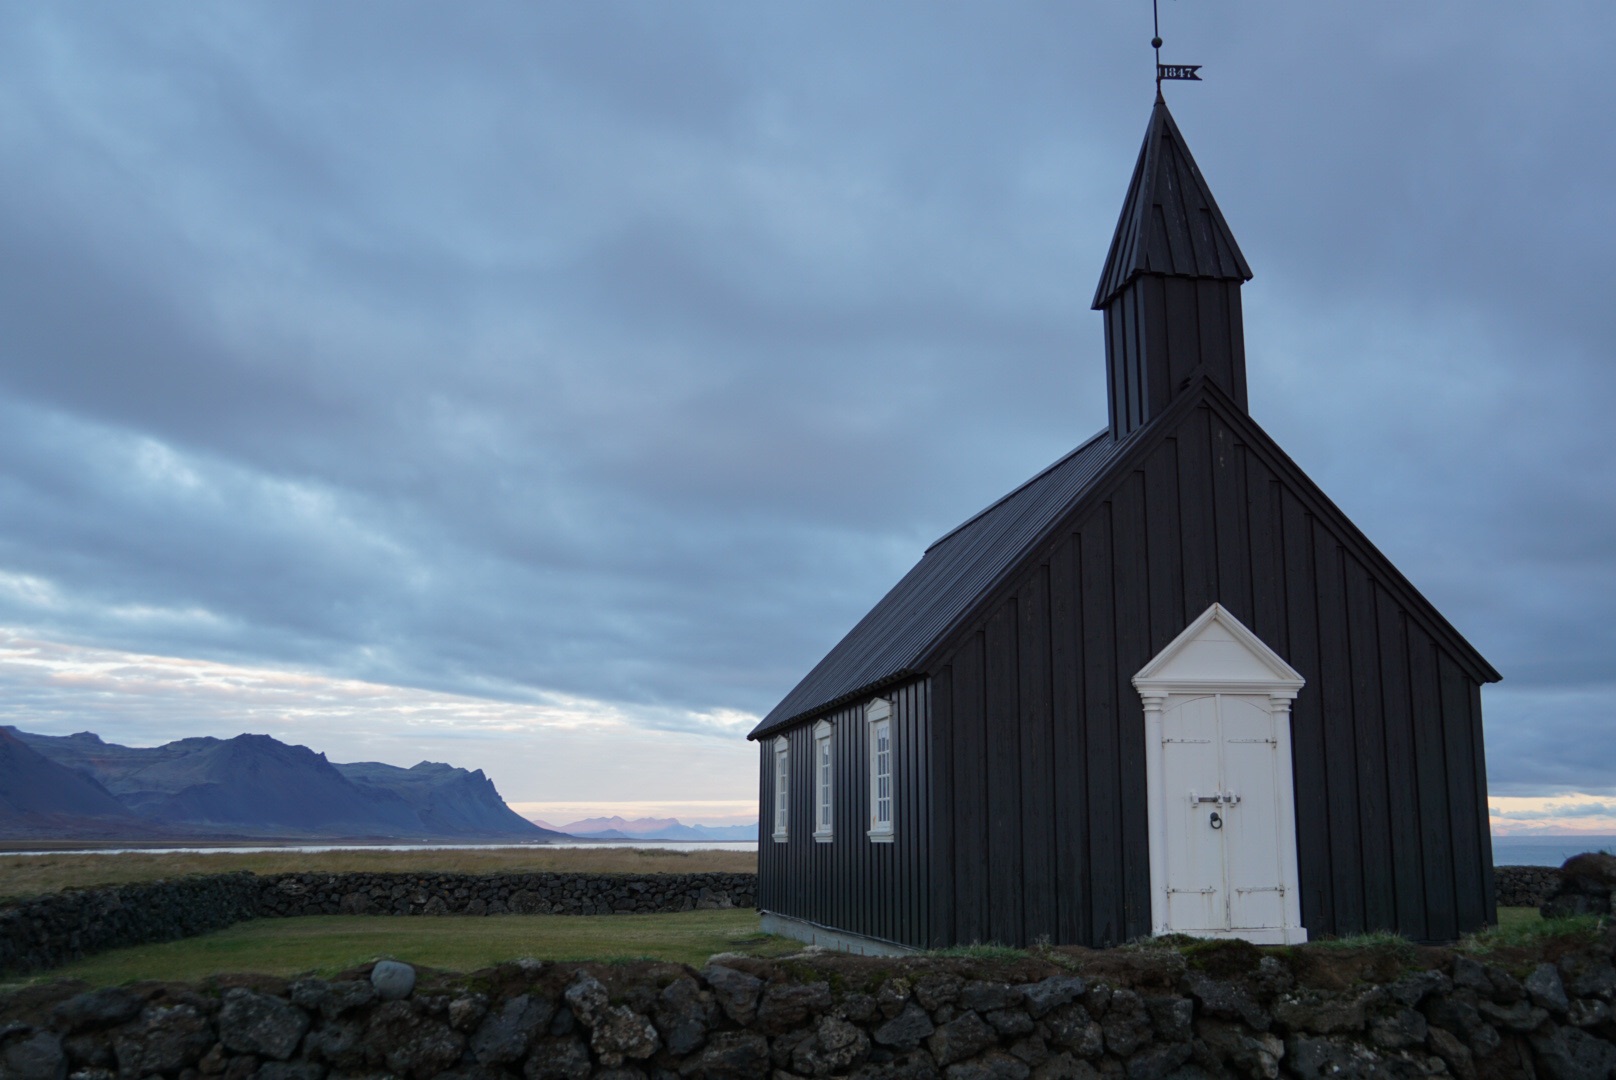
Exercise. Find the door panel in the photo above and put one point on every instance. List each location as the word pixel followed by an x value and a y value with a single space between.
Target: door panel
pixel 1196 895
pixel 1252 848
pixel 1218 765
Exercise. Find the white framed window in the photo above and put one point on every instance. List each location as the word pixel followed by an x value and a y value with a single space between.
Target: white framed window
pixel 782 787
pixel 824 783
pixel 878 716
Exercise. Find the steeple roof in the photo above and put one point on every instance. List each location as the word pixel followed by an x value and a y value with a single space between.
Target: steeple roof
pixel 1170 223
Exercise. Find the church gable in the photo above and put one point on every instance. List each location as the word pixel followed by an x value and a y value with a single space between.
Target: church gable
pixel 1035 707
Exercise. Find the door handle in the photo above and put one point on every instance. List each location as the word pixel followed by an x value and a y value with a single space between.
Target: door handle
pixel 1217 820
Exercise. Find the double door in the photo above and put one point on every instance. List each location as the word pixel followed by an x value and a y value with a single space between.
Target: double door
pixel 1224 822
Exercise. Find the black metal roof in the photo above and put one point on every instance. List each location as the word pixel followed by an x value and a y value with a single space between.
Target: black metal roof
pixel 949 579
pixel 1170 223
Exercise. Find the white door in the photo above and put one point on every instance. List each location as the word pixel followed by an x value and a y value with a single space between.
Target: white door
pixel 1220 791
pixel 1217 714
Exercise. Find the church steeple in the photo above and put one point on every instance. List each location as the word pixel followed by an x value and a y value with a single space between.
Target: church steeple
pixel 1170 289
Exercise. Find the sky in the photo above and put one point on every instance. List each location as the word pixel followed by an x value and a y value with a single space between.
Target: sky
pixel 545 388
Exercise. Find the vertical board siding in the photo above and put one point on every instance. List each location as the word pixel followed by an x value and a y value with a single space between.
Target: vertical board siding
pixel 970 797
pixel 942 865
pixel 1036 739
pixel 1489 896
pixel 879 890
pixel 1071 785
pixel 1002 765
pixel 1460 753
pixel 1334 676
pixel 1374 827
pixel 1307 717
pixel 1235 564
pixel 1436 841
pixel 1101 718
pixel 1402 777
pixel 1131 605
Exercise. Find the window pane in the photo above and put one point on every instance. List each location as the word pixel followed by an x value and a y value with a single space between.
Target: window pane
pixel 883 774
pixel 824 784
pixel 782 800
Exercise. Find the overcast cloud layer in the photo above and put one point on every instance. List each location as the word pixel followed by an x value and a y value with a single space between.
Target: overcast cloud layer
pixel 627 352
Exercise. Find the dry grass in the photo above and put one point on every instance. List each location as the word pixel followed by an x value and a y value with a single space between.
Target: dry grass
pixel 327 944
pixel 31 875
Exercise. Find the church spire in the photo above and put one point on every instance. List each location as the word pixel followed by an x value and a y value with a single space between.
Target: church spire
pixel 1170 289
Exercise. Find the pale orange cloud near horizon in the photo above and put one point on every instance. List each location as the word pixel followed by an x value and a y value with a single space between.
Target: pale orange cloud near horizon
pixel 1570 814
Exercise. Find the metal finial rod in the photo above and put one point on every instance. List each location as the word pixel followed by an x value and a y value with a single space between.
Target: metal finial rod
pixel 1156 41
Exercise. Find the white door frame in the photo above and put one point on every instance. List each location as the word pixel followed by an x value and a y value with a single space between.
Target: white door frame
pixel 1202 661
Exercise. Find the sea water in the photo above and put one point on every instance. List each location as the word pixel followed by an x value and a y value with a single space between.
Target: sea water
pixel 1546 850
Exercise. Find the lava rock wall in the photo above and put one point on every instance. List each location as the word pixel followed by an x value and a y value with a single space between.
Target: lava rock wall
pixel 1224 1010
pixel 49 931
pixel 1525 886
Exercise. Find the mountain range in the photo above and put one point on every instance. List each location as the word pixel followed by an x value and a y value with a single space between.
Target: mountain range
pixel 251 786
pixel 619 828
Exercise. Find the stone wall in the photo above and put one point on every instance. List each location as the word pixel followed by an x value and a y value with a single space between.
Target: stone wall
pixel 1211 1010
pixel 1525 886
pixel 501 894
pixel 49 931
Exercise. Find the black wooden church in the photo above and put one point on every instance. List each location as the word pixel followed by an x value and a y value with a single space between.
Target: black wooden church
pixel 1165 685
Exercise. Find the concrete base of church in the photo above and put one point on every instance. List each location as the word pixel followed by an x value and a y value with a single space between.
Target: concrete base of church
pixel 827 938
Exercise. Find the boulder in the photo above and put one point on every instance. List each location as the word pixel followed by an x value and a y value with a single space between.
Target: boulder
pixel 834 1047
pixel 506 1033
pixel 166 1039
pixel 733 1055
pixel 558 1059
pixel 959 1039
pixel 252 1023
pixel 684 1013
pixel 907 1030
pixel 1569 1053
pixel 620 1032
pixel 786 1007
pixel 994 1065
pixel 410 1043
pixel 392 980
pixel 1587 886
pixel 35 1057
pixel 736 991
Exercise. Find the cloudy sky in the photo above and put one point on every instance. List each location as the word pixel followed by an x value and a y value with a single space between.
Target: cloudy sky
pixel 544 388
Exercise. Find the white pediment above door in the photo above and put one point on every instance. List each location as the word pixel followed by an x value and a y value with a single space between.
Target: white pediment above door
pixel 1217 652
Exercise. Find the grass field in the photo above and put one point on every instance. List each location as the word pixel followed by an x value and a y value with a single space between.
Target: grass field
pixel 333 943
pixel 30 875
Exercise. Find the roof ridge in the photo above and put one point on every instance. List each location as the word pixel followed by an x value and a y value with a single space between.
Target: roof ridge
pixel 1051 467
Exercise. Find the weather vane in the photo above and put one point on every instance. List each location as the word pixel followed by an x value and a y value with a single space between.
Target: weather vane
pixel 1168 71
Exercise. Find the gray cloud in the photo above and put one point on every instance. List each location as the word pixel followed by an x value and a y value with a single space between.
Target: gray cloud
pixel 632 351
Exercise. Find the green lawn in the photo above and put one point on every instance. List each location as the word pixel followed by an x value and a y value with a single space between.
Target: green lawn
pixel 1518 918
pixel 331 943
